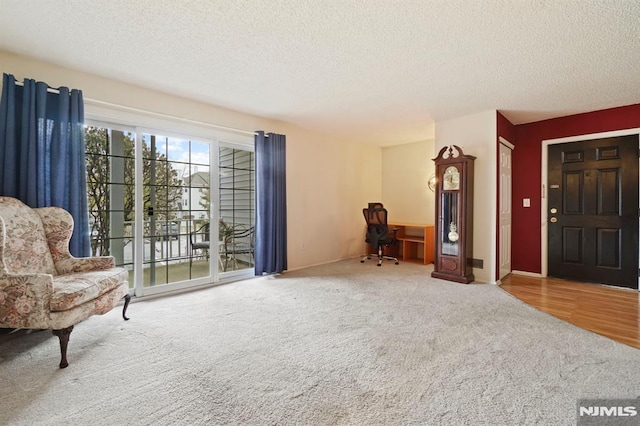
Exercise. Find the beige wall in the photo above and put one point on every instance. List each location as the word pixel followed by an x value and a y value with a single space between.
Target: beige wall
pixel 405 172
pixel 328 180
pixel 477 135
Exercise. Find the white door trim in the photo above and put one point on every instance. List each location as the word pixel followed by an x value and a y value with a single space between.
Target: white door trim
pixel 506 143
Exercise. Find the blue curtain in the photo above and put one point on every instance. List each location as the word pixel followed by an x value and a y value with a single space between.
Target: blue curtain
pixel 271 203
pixel 42 155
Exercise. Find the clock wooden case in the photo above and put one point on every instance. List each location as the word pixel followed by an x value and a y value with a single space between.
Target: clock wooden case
pixel 454 215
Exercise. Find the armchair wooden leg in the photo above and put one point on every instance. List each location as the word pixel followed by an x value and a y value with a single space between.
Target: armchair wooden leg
pixel 127 299
pixel 63 335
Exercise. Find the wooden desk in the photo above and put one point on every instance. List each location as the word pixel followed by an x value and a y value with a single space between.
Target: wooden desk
pixel 416 243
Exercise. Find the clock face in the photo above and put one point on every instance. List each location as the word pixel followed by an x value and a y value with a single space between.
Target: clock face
pixel 451 179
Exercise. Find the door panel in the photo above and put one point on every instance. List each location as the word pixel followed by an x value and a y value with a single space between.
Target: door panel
pixel 608 192
pixel 175 187
pixel 572 200
pixel 608 248
pixel 572 250
pixel 593 211
pixel 505 211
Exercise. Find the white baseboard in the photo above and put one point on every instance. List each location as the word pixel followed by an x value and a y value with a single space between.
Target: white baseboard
pixel 322 263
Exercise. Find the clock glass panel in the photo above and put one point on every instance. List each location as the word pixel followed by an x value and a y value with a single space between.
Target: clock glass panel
pixel 451 179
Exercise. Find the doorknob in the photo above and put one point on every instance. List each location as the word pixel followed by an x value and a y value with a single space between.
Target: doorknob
pixel 553 210
pixel 553 219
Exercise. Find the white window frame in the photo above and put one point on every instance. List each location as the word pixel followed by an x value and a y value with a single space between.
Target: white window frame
pixel 140 122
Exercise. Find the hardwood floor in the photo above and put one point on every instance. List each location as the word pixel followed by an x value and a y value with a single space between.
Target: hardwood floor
pixel 609 311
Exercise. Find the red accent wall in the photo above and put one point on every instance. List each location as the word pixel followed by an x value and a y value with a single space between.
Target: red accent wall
pixel 508 132
pixel 506 129
pixel 527 162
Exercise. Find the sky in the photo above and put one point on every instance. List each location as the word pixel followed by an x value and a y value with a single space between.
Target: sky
pixel 183 151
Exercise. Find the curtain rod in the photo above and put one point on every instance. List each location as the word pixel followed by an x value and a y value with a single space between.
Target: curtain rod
pixel 157 114
pixel 49 89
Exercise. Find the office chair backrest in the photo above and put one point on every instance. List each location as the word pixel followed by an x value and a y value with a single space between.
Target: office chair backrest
pixel 369 213
pixel 376 218
pixel 376 205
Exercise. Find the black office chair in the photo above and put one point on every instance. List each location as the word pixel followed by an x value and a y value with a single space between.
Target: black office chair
pixel 379 236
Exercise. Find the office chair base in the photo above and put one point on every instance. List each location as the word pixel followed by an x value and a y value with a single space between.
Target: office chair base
pixel 381 257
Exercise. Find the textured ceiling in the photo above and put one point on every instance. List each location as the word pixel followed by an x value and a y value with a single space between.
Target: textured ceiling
pixel 377 71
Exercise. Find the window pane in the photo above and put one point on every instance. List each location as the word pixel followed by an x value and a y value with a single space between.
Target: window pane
pixel 237 208
pixel 110 190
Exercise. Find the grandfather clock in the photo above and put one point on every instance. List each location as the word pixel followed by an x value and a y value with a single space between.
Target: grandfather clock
pixel 454 215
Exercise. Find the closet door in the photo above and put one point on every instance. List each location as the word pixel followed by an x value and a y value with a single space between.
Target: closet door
pixel 505 211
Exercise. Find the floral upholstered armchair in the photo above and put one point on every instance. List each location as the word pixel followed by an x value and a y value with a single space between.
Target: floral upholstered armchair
pixel 42 286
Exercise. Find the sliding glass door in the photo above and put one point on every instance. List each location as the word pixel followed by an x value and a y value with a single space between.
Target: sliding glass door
pixel 153 198
pixel 175 181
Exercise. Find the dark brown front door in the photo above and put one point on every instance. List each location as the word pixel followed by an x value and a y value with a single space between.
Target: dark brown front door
pixel 593 211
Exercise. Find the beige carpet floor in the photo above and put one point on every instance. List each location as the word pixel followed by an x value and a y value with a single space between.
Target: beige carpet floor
pixel 340 344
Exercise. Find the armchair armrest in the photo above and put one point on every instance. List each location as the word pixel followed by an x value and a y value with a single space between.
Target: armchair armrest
pixel 24 300
pixel 83 264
